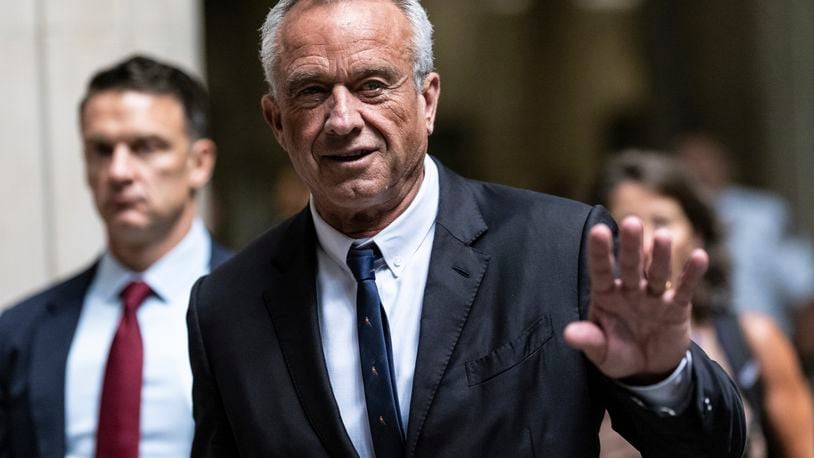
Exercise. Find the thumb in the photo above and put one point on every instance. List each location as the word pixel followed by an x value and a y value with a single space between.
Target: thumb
pixel 589 338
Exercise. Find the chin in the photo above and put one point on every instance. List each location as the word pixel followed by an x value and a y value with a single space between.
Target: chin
pixel 365 195
pixel 133 229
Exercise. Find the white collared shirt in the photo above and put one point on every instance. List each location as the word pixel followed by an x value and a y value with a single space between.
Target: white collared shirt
pixel 405 245
pixel 166 398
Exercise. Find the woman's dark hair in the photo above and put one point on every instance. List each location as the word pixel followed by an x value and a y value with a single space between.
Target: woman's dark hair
pixel 668 177
pixel 143 74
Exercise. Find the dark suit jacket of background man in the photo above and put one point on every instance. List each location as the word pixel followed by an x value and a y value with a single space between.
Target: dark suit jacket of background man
pixel 493 375
pixel 35 338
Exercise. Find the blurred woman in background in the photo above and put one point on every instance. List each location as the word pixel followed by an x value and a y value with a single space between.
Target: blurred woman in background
pixel 750 347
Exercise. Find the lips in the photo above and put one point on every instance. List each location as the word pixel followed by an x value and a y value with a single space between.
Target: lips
pixel 124 201
pixel 350 156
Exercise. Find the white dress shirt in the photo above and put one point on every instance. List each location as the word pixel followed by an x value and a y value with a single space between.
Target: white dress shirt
pixel 406 246
pixel 166 398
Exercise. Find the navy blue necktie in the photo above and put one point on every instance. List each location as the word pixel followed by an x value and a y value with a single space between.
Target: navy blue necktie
pixel 376 356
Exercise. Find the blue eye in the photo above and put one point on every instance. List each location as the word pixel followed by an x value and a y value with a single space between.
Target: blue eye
pixel 372 87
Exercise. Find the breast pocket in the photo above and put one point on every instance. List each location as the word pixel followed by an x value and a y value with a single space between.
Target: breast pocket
pixel 510 354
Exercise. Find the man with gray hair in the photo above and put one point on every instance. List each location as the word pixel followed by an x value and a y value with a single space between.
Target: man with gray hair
pixel 408 311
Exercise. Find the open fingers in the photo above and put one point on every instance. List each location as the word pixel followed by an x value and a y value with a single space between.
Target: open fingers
pixel 600 258
pixel 694 270
pixel 658 273
pixel 630 253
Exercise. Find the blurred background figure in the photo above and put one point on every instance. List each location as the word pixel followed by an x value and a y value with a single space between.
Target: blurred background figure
pixel 772 265
pixel 748 345
pixel 49 227
pixel 97 365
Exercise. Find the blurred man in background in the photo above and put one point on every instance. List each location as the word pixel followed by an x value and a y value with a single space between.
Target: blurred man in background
pixel 98 364
pixel 772 266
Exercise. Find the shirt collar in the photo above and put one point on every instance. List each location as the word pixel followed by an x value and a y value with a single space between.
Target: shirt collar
pixel 399 241
pixel 186 258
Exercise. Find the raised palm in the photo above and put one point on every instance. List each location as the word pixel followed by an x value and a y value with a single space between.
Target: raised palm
pixel 637 328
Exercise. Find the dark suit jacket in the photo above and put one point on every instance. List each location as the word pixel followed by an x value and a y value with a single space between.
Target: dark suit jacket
pixel 35 337
pixel 493 375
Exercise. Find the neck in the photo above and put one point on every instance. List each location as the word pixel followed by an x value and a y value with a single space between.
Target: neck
pixel 139 254
pixel 368 222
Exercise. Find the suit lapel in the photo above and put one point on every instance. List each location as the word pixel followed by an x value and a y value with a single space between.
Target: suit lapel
pixel 291 302
pixel 51 343
pixel 49 353
pixel 455 274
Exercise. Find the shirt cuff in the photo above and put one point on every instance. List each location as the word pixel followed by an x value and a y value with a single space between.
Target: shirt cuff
pixel 671 395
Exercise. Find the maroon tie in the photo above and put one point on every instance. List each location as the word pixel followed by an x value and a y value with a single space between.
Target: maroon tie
pixel 118 431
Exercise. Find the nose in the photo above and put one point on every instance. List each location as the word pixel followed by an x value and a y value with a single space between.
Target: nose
pixel 344 116
pixel 120 168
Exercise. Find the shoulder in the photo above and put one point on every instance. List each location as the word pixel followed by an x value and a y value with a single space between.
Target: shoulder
pixel 503 205
pixel 260 251
pixel 537 214
pixel 498 197
pixel 511 221
pixel 45 296
pixel 19 317
pixel 251 264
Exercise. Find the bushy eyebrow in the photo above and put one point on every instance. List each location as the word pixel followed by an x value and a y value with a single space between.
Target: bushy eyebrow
pixel 298 80
pixel 389 74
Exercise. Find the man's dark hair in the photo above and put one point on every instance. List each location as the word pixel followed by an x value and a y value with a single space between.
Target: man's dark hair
pixel 143 74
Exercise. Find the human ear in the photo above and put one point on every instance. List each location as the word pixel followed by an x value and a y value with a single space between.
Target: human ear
pixel 202 162
pixel 272 115
pixel 430 92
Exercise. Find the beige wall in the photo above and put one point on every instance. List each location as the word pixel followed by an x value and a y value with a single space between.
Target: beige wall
pixel 50 48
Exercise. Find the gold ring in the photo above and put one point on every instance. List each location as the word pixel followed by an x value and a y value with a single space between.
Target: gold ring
pixel 653 292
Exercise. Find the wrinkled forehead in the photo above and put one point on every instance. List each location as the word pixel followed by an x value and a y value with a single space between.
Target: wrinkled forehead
pixel 338 24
